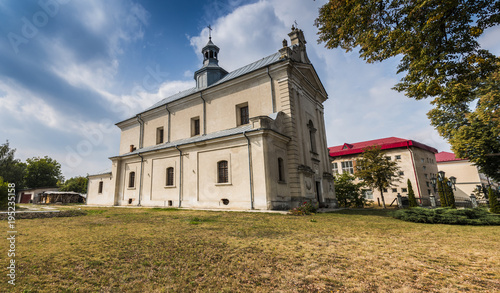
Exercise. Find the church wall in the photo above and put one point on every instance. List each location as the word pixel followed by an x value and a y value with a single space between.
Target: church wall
pixel 181 118
pixel 129 136
pixel 151 125
pixel 130 195
pixel 93 195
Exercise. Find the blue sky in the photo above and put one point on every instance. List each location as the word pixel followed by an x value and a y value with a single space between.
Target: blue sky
pixel 69 70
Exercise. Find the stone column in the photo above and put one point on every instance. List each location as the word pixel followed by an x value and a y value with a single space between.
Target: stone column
pixel 400 201
pixel 433 201
pixel 473 200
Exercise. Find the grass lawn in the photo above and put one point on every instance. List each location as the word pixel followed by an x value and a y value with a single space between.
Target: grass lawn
pixel 158 250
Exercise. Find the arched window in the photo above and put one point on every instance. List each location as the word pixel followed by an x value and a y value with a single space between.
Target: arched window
pixel 131 179
pixel 170 176
pixel 312 135
pixel 215 55
pixel 281 170
pixel 206 55
pixel 222 172
pixel 211 54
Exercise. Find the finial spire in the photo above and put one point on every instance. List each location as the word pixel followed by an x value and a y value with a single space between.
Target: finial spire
pixel 209 32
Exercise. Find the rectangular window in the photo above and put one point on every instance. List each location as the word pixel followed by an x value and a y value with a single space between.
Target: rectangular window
pixel 368 193
pixel 100 187
pixel 347 167
pixel 388 158
pixel 335 168
pixel 425 175
pixel 422 160
pixel 397 157
pixel 385 189
pixel 427 183
pixel 401 173
pixel 428 191
pixel 159 135
pixel 394 190
pixel 281 170
pixel 425 168
pixel 244 115
pixel 195 126
pixel 404 190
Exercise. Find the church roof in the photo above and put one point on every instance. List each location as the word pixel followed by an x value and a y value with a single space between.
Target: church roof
pixel 384 143
pixel 274 58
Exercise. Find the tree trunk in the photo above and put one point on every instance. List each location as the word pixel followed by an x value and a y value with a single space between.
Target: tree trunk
pixel 382 196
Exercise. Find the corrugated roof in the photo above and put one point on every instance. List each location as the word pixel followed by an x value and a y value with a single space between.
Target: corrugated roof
pixel 231 75
pixel 384 143
pixel 200 138
pixel 446 157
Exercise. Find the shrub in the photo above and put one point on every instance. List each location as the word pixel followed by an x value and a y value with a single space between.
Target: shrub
pixel 494 205
pixel 411 196
pixel 305 208
pixel 449 216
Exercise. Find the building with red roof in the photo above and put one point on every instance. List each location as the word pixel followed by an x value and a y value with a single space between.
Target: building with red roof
pixel 467 174
pixel 416 160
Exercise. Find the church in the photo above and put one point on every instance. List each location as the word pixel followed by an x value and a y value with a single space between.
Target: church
pixel 253 138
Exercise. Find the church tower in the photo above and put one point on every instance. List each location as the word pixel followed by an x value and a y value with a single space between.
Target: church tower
pixel 211 72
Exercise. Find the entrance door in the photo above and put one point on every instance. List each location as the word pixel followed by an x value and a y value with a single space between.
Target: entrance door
pixel 318 191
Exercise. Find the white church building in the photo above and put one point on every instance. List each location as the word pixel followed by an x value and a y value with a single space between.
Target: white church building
pixel 253 138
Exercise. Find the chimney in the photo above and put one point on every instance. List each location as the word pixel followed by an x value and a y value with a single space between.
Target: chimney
pixel 132 148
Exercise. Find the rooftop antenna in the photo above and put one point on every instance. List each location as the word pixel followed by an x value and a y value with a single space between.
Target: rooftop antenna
pixel 209 32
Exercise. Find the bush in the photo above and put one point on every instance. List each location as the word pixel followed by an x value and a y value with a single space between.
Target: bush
pixel 304 209
pixel 411 196
pixel 449 216
pixel 494 205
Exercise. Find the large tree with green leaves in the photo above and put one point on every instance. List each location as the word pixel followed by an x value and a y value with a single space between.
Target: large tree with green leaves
pixel 376 170
pixel 437 41
pixel 76 184
pixel 43 172
pixel 11 169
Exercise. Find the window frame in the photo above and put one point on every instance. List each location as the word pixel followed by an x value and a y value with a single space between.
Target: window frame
pixel 170 177
pixel 160 135
pixel 348 169
pixel 195 126
pixel 335 168
pixel 312 136
pixel 223 172
pixel 281 170
pixel 131 180
pixel 100 187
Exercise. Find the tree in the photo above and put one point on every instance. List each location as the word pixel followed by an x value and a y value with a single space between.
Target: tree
pixel 493 198
pixel 43 172
pixel 411 196
pixel 348 193
pixel 446 195
pixel 11 170
pixel 4 194
pixel 376 170
pixel 441 59
pixel 442 194
pixel 76 184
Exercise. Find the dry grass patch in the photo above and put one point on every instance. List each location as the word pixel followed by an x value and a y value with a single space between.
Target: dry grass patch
pixel 168 250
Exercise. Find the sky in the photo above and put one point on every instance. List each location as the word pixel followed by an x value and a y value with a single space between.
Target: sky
pixel 70 70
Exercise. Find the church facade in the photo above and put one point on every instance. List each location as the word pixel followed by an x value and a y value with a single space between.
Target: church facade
pixel 253 138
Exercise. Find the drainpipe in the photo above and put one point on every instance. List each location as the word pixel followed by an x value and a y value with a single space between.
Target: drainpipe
pixel 140 180
pixel 168 129
pixel 414 171
pixel 141 130
pixel 250 169
pixel 272 91
pixel 204 113
pixel 180 174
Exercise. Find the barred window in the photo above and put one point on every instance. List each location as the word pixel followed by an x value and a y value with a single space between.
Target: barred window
pixel 222 172
pixel 170 176
pixel 131 179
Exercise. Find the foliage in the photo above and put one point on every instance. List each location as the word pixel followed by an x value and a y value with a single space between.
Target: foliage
pixel 42 172
pixel 475 216
pixel 493 198
pixel 4 194
pixel 348 193
pixel 11 169
pixel 306 208
pixel 376 170
pixel 446 195
pixel 441 59
pixel 411 196
pixel 76 184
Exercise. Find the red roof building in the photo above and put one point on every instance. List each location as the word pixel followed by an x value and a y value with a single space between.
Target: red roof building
pixel 416 160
